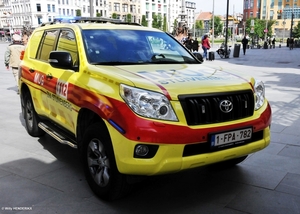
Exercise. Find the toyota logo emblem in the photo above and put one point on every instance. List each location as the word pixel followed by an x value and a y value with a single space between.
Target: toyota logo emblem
pixel 226 106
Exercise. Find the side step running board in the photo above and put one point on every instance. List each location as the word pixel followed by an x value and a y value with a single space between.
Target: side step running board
pixel 61 139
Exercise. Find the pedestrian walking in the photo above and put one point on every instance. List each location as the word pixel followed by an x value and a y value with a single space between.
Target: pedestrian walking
pixel 287 42
pixel 12 56
pixel 273 42
pixel 205 46
pixel 188 43
pixel 195 45
pixel 245 43
pixel 291 43
pixel 25 38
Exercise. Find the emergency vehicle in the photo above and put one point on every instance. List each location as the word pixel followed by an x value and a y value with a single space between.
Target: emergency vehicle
pixel 135 102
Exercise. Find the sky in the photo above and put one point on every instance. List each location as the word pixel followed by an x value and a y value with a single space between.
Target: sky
pixel 235 6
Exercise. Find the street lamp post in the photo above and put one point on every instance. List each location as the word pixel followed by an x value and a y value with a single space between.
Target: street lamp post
pixel 213 23
pixel 291 33
pixel 226 28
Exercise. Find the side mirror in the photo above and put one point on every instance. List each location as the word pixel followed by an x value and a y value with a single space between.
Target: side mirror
pixel 61 59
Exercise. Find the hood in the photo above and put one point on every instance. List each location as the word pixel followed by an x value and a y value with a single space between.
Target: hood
pixel 174 80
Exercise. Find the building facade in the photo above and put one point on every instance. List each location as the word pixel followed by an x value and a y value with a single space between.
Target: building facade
pixel 282 11
pixel 17 14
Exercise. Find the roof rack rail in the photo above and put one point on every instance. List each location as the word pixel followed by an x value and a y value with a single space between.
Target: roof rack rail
pixel 79 19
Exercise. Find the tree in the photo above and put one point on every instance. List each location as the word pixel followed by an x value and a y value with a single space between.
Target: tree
pixel 296 31
pixel 218 25
pixel 157 21
pixel 144 21
pixel 175 23
pixel 114 15
pixel 165 26
pixel 78 12
pixel 259 27
pixel 128 17
pixel 199 25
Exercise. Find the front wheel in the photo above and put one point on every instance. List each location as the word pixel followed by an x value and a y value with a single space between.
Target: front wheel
pixel 99 164
pixel 31 118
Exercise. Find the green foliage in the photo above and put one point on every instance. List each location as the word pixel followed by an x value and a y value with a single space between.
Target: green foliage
pixel 78 12
pixel 114 15
pixel 259 27
pixel 199 25
pixel 98 15
pixel 218 25
pixel 296 31
pixel 157 21
pixel 175 23
pixel 128 17
pixel 165 25
pixel 144 21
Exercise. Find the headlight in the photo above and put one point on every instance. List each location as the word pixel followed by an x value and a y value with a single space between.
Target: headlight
pixel 148 103
pixel 259 89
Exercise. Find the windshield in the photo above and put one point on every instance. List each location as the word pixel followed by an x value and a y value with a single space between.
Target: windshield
pixel 121 47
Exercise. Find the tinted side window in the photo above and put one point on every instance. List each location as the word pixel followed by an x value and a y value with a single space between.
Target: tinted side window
pixel 47 44
pixel 67 42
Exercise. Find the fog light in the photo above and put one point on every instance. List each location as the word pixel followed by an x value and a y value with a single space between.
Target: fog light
pixel 141 150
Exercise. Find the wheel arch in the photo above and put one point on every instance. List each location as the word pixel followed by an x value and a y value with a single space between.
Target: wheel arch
pixel 24 89
pixel 87 117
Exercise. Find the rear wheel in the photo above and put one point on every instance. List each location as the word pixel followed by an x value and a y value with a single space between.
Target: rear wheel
pixel 99 165
pixel 31 118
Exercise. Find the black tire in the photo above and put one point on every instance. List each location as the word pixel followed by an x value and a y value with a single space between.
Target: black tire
pixel 99 165
pixel 31 118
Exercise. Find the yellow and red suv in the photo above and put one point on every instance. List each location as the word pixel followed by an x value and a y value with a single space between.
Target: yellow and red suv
pixel 134 101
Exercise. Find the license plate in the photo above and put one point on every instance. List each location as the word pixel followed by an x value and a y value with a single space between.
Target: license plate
pixel 231 138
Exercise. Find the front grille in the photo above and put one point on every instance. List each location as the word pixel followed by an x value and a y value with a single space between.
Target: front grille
pixel 205 108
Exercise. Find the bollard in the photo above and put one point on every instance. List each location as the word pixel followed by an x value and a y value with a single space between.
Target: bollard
pixel 279 45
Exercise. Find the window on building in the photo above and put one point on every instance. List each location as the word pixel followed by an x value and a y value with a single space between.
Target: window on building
pixel 116 6
pixel 271 14
pixel 53 8
pixel 279 4
pixel 258 15
pixel 38 7
pixel 58 1
pixel 48 7
pixel 258 3
pixel 49 19
pixel 272 4
pixel 132 9
pixel 125 8
pixel 64 12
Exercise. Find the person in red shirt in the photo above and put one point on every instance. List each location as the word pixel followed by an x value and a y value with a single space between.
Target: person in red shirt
pixel 205 46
